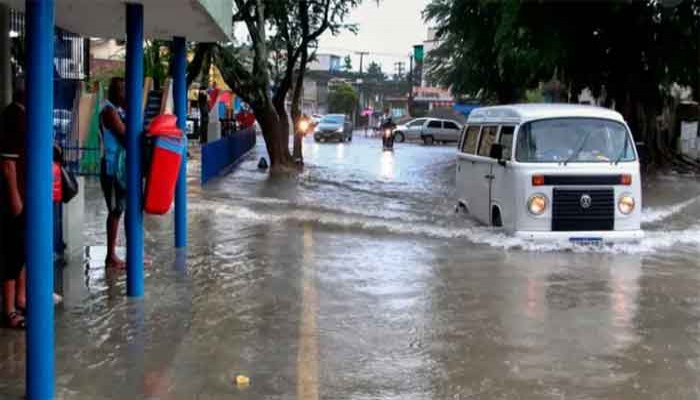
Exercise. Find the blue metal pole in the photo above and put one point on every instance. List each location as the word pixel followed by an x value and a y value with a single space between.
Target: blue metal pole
pixel 38 207
pixel 180 100
pixel 134 128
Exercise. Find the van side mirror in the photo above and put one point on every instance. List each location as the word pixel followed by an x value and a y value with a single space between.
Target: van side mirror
pixel 643 152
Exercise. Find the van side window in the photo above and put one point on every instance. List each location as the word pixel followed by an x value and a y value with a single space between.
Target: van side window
pixel 435 124
pixel 506 141
pixel 488 137
pixel 450 125
pixel 471 138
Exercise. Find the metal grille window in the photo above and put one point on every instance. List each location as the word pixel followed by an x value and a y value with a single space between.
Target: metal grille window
pixel 70 71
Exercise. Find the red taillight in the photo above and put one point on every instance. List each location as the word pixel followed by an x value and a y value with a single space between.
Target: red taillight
pixel 626 179
pixel 537 180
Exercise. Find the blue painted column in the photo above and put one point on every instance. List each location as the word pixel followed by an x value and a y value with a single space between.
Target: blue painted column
pixel 38 208
pixel 134 129
pixel 180 100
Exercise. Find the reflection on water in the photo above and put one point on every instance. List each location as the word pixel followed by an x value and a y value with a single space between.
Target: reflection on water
pixel 387 165
pixel 340 151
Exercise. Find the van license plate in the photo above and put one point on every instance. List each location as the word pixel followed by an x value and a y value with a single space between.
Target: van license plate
pixel 587 240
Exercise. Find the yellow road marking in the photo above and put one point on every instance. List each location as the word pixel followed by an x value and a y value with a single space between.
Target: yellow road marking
pixel 307 358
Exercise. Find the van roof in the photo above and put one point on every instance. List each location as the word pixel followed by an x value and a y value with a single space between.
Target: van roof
pixel 520 113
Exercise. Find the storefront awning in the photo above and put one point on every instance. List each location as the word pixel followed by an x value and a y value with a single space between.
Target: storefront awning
pixel 196 20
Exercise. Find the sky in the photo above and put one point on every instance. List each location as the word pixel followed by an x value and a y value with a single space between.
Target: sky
pixel 387 31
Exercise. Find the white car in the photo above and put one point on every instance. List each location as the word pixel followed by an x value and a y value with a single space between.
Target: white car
pixel 551 173
pixel 429 130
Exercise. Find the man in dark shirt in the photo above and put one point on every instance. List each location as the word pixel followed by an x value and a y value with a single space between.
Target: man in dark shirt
pixel 12 229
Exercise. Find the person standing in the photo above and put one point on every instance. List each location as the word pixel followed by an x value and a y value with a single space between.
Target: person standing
pixel 12 192
pixel 113 135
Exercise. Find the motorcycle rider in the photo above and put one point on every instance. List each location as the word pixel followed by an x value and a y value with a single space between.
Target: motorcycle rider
pixel 387 127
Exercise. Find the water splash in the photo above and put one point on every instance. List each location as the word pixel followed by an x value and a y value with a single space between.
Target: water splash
pixel 656 214
pixel 473 234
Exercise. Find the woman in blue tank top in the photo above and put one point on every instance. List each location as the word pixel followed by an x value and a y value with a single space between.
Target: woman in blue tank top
pixel 113 135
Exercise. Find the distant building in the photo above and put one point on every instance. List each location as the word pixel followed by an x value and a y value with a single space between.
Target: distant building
pixel 310 97
pixel 326 63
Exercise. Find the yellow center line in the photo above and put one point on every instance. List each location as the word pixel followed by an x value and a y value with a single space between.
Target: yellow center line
pixel 307 358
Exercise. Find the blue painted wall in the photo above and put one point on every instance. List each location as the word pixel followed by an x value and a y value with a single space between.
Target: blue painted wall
pixel 220 156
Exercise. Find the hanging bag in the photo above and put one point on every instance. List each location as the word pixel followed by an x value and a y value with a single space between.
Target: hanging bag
pixel 69 185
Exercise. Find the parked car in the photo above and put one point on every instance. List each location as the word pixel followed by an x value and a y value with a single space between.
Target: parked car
pixel 333 127
pixel 410 130
pixel 429 130
pixel 551 173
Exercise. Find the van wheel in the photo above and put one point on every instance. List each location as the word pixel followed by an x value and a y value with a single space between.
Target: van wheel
pixel 399 137
pixel 428 140
pixel 496 219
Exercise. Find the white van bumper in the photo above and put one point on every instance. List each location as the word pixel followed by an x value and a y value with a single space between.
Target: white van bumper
pixel 582 237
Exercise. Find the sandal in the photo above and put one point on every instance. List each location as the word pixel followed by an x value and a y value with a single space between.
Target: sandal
pixel 15 321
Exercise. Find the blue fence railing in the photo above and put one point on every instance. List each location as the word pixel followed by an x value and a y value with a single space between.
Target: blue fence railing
pixel 221 156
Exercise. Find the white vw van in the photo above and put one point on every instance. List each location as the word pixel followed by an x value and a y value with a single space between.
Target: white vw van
pixel 551 172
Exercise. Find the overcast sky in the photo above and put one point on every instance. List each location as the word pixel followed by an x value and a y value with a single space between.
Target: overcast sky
pixel 387 31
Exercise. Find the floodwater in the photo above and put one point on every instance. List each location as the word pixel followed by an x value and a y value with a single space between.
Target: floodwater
pixel 356 280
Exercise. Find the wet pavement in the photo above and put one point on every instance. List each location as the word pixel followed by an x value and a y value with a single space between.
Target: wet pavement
pixel 356 280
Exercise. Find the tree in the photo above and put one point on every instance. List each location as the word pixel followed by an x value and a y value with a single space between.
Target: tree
pixel 347 63
pixel 342 99
pixel 374 71
pixel 289 30
pixel 624 51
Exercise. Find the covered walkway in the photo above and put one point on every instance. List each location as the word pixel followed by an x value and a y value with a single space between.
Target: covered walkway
pixel 177 20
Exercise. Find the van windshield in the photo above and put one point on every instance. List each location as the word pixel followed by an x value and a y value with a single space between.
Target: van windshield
pixel 574 140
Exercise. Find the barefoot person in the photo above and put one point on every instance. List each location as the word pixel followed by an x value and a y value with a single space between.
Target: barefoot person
pixel 113 134
pixel 12 229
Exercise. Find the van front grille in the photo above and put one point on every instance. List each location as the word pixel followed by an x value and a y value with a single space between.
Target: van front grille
pixel 583 210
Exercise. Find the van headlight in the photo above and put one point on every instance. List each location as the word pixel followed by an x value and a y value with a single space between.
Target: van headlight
pixel 626 204
pixel 537 204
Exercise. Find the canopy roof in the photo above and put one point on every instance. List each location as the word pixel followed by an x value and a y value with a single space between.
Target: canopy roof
pixel 196 20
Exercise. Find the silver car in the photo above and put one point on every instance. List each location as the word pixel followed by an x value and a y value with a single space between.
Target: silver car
pixel 429 130
pixel 333 127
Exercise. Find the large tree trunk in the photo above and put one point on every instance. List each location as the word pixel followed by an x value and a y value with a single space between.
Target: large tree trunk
pixel 281 110
pixel 276 135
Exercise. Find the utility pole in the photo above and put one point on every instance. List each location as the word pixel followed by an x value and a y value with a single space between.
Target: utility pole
pixel 410 86
pixel 399 67
pixel 360 87
pixel 362 55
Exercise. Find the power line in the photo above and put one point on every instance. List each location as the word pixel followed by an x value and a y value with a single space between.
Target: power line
pixel 371 53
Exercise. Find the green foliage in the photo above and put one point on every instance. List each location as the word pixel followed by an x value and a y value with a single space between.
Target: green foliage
pixel 342 99
pixel 534 96
pixel 347 63
pixel 374 71
pixel 501 49
pixel 156 61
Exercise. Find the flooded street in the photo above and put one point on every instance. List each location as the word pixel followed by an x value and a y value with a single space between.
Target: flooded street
pixel 357 280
